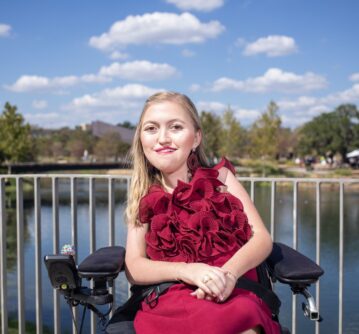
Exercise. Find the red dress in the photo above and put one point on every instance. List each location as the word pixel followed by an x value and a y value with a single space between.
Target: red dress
pixel 198 223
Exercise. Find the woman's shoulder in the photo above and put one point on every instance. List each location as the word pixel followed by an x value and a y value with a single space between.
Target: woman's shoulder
pixel 224 162
pixel 223 166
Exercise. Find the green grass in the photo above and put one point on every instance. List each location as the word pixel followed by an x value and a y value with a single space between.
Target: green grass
pixel 263 168
pixel 342 172
pixel 30 328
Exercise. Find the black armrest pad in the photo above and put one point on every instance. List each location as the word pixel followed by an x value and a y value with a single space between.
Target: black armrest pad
pixel 107 261
pixel 291 267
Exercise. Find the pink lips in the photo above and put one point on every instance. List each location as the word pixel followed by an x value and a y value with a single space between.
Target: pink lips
pixel 165 149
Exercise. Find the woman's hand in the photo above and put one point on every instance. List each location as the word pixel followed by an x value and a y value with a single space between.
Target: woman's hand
pixel 228 289
pixel 211 280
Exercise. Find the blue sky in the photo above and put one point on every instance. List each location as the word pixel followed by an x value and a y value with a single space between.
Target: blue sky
pixel 65 63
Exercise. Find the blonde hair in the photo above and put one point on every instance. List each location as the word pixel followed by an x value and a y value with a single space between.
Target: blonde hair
pixel 144 174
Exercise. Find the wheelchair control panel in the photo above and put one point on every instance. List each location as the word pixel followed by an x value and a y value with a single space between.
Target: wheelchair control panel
pixel 101 267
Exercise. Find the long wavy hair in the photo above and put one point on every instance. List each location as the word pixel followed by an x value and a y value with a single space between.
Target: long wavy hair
pixel 144 174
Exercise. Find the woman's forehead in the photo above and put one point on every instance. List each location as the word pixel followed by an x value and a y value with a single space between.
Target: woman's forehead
pixel 166 111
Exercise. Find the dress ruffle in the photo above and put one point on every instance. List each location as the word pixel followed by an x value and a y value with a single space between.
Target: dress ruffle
pixel 196 222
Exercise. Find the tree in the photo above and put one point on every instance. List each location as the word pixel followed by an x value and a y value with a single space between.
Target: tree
pixel 16 143
pixel 63 143
pixel 110 146
pixel 233 135
pixel 80 141
pixel 287 141
pixel 127 125
pixel 212 132
pixel 76 148
pixel 335 132
pixel 265 131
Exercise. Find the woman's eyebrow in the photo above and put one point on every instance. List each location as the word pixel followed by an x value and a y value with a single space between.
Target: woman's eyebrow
pixel 168 122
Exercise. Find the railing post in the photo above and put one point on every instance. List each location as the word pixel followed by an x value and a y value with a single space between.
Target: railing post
pixel 252 191
pixel 20 254
pixel 111 231
pixel 128 184
pixel 341 255
pixel 38 257
pixel 272 208
pixel 317 224
pixel 55 238
pixel 111 212
pixel 295 246
pixel 3 262
pixel 92 216
pixel 73 192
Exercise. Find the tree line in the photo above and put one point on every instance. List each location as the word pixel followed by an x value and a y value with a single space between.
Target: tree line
pixel 20 142
pixel 335 132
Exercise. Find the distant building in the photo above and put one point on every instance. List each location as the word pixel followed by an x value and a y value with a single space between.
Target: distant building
pixel 99 129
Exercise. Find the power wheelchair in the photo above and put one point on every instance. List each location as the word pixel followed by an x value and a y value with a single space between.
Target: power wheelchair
pixel 284 265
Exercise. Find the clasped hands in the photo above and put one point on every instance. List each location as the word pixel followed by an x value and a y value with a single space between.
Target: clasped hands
pixel 213 283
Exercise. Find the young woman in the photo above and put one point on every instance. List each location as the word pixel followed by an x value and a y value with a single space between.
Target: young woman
pixel 192 224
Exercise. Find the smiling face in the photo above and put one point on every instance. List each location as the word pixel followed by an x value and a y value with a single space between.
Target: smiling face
pixel 167 136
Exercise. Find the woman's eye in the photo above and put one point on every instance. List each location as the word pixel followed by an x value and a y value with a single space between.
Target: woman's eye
pixel 177 127
pixel 150 128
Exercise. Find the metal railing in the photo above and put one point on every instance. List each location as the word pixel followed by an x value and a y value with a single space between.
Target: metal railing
pixel 18 180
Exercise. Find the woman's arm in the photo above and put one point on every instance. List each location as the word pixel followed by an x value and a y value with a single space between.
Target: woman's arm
pixel 259 246
pixel 141 270
pixel 254 252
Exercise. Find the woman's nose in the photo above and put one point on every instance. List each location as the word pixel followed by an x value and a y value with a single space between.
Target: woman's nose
pixel 163 137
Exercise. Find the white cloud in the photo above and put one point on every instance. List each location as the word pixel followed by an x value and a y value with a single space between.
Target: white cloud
pixel 354 77
pixel 188 53
pixel 163 28
pixel 41 117
pixel 293 122
pixel 304 108
pixel 272 46
pixel 349 95
pixel 123 97
pixel 117 55
pixel 247 114
pixel 273 80
pixel 139 70
pixel 216 107
pixel 200 5
pixel 243 115
pixel 52 120
pixel 5 30
pixel 28 83
pixel 39 104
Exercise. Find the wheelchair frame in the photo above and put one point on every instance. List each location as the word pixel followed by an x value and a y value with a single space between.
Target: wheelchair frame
pixel 284 265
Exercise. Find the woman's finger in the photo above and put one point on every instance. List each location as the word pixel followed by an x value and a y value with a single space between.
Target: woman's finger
pixel 221 277
pixel 200 294
pixel 214 286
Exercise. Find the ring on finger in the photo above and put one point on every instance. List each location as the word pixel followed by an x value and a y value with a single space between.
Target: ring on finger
pixel 206 279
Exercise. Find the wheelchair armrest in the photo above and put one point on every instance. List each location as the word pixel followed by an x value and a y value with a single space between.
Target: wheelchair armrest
pixel 291 267
pixel 106 262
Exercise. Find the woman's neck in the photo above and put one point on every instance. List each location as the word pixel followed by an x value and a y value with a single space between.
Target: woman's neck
pixel 169 181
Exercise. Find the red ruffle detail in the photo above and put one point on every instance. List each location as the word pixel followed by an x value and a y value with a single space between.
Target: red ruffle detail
pixel 225 163
pixel 196 222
